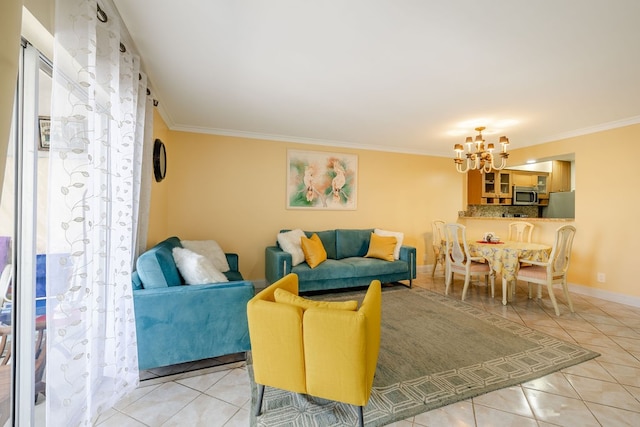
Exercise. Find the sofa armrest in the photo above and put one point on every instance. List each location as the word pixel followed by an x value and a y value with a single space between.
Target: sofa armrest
pixel 408 254
pixel 277 263
pixel 233 261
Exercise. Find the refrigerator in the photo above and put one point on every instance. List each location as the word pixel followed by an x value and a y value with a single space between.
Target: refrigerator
pixel 561 205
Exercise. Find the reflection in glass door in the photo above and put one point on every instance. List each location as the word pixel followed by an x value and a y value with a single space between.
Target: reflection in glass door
pixel 23 201
pixel 7 273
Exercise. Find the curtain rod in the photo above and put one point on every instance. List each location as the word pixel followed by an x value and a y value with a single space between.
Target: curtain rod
pixel 102 17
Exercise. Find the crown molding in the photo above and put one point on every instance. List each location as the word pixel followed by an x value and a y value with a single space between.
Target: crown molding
pixel 358 146
pixel 300 140
pixel 594 129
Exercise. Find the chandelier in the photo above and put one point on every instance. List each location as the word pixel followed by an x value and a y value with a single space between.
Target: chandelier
pixel 479 157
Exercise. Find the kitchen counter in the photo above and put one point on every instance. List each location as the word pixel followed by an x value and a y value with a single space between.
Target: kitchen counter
pixel 512 219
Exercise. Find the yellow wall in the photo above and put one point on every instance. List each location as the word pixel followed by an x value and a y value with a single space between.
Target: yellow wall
pixel 43 10
pixel 9 54
pixel 233 190
pixel 159 204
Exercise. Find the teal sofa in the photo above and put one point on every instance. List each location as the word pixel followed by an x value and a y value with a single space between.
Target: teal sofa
pixel 345 266
pixel 177 323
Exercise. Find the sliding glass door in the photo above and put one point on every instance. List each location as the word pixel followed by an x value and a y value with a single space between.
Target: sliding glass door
pixel 23 236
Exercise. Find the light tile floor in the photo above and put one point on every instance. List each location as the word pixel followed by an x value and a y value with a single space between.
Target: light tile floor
pixel 601 392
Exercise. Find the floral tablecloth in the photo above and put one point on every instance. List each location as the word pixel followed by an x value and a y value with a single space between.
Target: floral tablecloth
pixel 504 258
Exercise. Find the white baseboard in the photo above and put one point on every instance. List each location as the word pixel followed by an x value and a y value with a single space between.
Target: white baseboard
pixel 605 295
pixel 578 289
pixel 259 284
pixel 424 268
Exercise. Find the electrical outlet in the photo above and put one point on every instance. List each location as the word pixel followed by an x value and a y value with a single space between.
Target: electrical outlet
pixel 602 277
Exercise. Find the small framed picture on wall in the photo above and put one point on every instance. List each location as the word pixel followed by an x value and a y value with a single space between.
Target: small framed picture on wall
pixel 44 124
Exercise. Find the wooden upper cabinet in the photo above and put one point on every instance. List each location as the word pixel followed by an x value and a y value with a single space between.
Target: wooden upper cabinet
pixel 523 179
pixel 542 185
pixel 560 176
pixel 495 187
pixel 538 180
pixel 491 188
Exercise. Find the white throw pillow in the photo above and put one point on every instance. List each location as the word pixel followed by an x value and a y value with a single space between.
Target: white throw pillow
pixel 289 241
pixel 399 238
pixel 196 269
pixel 210 249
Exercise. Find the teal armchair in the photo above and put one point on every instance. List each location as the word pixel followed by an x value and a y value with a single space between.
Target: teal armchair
pixel 177 323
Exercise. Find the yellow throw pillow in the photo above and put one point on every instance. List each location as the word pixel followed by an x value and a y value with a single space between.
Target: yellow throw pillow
pixel 286 297
pixel 381 247
pixel 313 249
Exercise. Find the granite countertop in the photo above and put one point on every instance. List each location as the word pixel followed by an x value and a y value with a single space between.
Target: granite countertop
pixel 498 212
pixel 511 218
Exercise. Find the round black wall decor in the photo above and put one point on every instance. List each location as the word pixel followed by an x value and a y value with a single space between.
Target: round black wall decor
pixel 159 160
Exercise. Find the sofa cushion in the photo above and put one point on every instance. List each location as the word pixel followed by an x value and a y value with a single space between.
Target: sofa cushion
pixel 209 249
pixel 314 253
pixel 286 297
pixel 196 269
pixel 330 269
pixel 350 243
pixel 381 247
pixel 289 241
pixel 156 267
pixel 399 239
pixel 364 267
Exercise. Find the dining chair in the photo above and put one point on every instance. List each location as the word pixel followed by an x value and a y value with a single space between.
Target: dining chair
pixel 5 282
pixel 520 231
pixel 554 270
pixel 437 227
pixel 459 261
pixel 40 348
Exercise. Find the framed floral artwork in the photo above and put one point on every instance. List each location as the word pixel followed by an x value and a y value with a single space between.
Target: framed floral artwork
pixel 321 180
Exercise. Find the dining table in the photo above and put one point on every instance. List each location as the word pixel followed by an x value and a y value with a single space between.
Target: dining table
pixel 505 257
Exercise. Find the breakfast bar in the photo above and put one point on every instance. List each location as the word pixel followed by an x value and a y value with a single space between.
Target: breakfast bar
pixel 543 231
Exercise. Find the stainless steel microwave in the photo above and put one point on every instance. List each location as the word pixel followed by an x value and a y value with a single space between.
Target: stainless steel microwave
pixel 524 196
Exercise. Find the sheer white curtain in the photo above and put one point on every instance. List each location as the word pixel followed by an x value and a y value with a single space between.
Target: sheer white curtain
pixel 99 111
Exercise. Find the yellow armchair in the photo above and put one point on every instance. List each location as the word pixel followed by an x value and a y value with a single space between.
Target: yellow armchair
pixel 327 351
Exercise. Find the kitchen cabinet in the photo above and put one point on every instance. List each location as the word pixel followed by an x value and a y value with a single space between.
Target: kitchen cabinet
pixel 495 187
pixel 490 188
pixel 538 180
pixel 560 176
pixel 523 179
pixel 542 185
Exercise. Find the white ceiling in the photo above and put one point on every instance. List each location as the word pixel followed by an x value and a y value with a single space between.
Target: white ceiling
pixel 410 76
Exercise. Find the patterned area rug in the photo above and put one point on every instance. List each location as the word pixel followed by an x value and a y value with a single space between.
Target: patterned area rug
pixel 434 350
